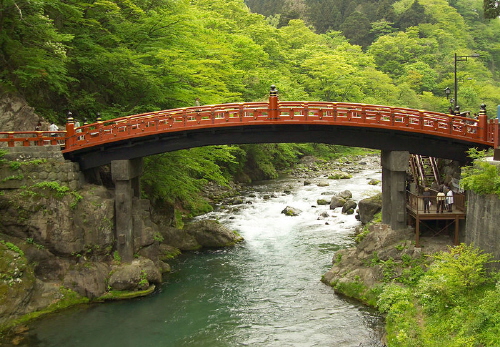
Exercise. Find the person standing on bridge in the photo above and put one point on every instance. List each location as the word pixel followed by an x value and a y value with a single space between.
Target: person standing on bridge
pixel 427 199
pixel 440 201
pixel 53 127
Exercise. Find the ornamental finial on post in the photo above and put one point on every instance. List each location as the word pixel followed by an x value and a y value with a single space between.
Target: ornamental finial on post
pixel 273 91
pixel 482 109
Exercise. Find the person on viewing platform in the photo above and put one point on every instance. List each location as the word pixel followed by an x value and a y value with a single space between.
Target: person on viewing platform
pixel 38 126
pixel 440 201
pixel 449 200
pixel 427 199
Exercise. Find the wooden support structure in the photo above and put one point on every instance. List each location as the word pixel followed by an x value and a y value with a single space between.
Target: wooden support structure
pixel 416 211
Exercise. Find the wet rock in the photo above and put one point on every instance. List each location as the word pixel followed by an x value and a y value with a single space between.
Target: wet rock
pixel 87 279
pixel 349 207
pixel 369 207
pixel 210 233
pixel 137 275
pixel 336 201
pixel 291 211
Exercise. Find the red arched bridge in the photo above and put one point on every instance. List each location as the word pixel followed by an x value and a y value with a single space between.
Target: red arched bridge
pixel 350 124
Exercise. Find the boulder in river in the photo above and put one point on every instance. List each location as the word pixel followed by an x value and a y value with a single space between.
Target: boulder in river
pixel 291 211
pixel 369 207
pixel 349 206
pixel 210 233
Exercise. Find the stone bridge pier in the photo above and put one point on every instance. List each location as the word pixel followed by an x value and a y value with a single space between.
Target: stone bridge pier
pixel 126 177
pixel 394 168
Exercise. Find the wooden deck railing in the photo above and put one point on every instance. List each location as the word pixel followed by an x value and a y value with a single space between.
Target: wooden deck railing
pixel 416 202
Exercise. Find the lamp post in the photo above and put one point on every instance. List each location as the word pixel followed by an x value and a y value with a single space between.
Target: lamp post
pixel 461 58
pixel 447 91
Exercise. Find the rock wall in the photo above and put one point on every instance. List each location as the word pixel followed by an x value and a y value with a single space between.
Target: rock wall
pixel 483 219
pixel 38 164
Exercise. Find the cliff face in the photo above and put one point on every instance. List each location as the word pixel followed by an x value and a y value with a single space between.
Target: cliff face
pixel 17 115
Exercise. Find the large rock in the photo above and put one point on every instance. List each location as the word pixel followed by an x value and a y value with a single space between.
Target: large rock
pixel 291 211
pixel 349 206
pixel 88 279
pixel 179 238
pixel 16 115
pixel 210 233
pixel 138 275
pixel 336 201
pixel 61 222
pixel 369 207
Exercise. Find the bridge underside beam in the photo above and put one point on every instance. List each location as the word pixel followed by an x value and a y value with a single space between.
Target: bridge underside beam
pixel 394 167
pixel 375 138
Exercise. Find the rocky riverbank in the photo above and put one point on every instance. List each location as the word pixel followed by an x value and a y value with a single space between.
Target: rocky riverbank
pixel 57 244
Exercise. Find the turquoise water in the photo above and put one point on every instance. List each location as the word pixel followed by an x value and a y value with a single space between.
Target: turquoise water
pixel 263 292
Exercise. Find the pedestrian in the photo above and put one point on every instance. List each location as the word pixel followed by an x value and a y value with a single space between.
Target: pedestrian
pixel 449 200
pixel 38 126
pixel 427 199
pixel 53 127
pixel 440 201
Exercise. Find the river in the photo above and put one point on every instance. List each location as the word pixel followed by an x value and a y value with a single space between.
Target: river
pixel 265 291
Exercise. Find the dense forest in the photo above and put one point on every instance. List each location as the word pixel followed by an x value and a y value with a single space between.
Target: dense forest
pixel 122 57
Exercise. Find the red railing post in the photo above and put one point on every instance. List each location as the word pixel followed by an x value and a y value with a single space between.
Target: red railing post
pixel 11 142
pixel 273 103
pixel 70 140
pixel 483 124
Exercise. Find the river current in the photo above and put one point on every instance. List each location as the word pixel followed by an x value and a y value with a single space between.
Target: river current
pixel 265 291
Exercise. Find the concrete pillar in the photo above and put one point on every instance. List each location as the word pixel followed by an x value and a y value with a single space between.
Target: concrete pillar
pixel 394 167
pixel 126 175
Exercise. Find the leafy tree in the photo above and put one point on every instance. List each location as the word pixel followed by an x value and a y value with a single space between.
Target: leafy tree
pixel 33 54
pixel 413 16
pixel 393 52
pixel 357 29
pixel 481 177
pixel 491 9
pixel 420 76
pixel 178 177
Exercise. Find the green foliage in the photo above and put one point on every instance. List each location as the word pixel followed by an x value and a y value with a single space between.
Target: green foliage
pixel 158 237
pixel 143 282
pixel 48 189
pixel 179 177
pixel 454 303
pixel 117 257
pixel 481 177
pixel 12 247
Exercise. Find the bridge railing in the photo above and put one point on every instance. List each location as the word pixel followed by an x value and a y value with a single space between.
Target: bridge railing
pixel 257 113
pixel 32 138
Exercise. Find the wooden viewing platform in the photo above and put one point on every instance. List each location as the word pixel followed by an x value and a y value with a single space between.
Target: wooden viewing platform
pixel 415 208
